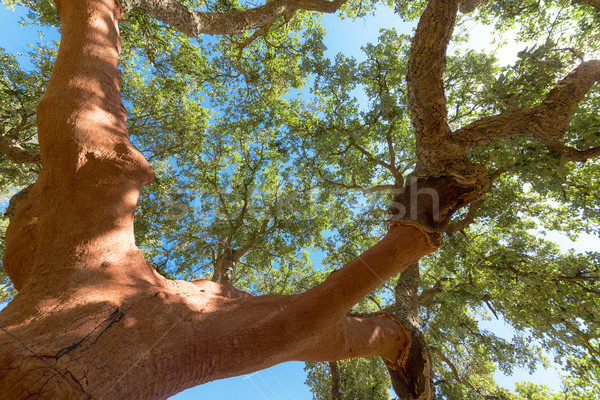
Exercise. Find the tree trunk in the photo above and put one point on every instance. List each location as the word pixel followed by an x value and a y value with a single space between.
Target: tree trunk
pixel 91 319
pixel 336 381
pixel 406 294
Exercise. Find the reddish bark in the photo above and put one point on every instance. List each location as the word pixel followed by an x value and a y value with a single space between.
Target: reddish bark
pixel 91 318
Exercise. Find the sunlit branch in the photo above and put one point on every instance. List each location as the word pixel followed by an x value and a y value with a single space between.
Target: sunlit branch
pixel 547 122
pixel 259 33
pixel 194 23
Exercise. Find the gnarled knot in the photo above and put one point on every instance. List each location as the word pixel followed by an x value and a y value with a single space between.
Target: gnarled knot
pixel 428 202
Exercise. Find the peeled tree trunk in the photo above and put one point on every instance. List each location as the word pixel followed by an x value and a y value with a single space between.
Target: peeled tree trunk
pixel 91 319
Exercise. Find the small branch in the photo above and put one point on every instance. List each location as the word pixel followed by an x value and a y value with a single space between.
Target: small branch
pixel 579 277
pixel 427 296
pixel 573 154
pixel 263 231
pixel 447 361
pixel 486 299
pixel 468 6
pixel 576 53
pixel 260 32
pixel 469 218
pixel 372 189
pixel 370 156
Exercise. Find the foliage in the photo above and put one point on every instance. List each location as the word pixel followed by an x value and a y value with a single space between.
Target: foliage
pixel 364 379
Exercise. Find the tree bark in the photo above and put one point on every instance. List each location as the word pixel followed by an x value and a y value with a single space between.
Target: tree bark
pixel 336 381
pixel 194 23
pixel 91 319
pixel 547 122
pixel 406 294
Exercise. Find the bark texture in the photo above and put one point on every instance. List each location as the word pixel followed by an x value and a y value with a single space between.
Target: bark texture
pixel 336 381
pixel 91 319
pixel 445 179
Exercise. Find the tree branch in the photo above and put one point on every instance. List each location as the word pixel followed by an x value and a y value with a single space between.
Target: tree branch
pixel 547 122
pixel 406 295
pixel 262 232
pixel 13 150
pixel 468 218
pixel 261 32
pixel 364 190
pixel 592 3
pixel 368 154
pixel 447 361
pixel 424 77
pixel 573 154
pixel 194 23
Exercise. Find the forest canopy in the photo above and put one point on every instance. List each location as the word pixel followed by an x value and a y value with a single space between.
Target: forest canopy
pixel 275 164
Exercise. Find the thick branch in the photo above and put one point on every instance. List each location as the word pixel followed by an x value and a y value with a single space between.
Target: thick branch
pixel 77 226
pixel 424 79
pixel 547 123
pixel 91 177
pixel 13 150
pixel 573 154
pixel 194 23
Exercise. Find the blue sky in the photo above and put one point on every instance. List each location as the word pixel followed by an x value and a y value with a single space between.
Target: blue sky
pixel 286 381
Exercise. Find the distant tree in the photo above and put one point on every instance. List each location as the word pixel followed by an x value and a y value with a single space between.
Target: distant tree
pixel 246 178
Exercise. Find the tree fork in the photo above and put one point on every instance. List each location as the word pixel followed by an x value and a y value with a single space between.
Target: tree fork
pixel 92 319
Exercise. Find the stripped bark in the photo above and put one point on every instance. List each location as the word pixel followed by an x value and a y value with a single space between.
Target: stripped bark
pixel 91 319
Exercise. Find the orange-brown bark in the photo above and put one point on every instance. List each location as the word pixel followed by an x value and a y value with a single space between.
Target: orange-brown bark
pixel 91 318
